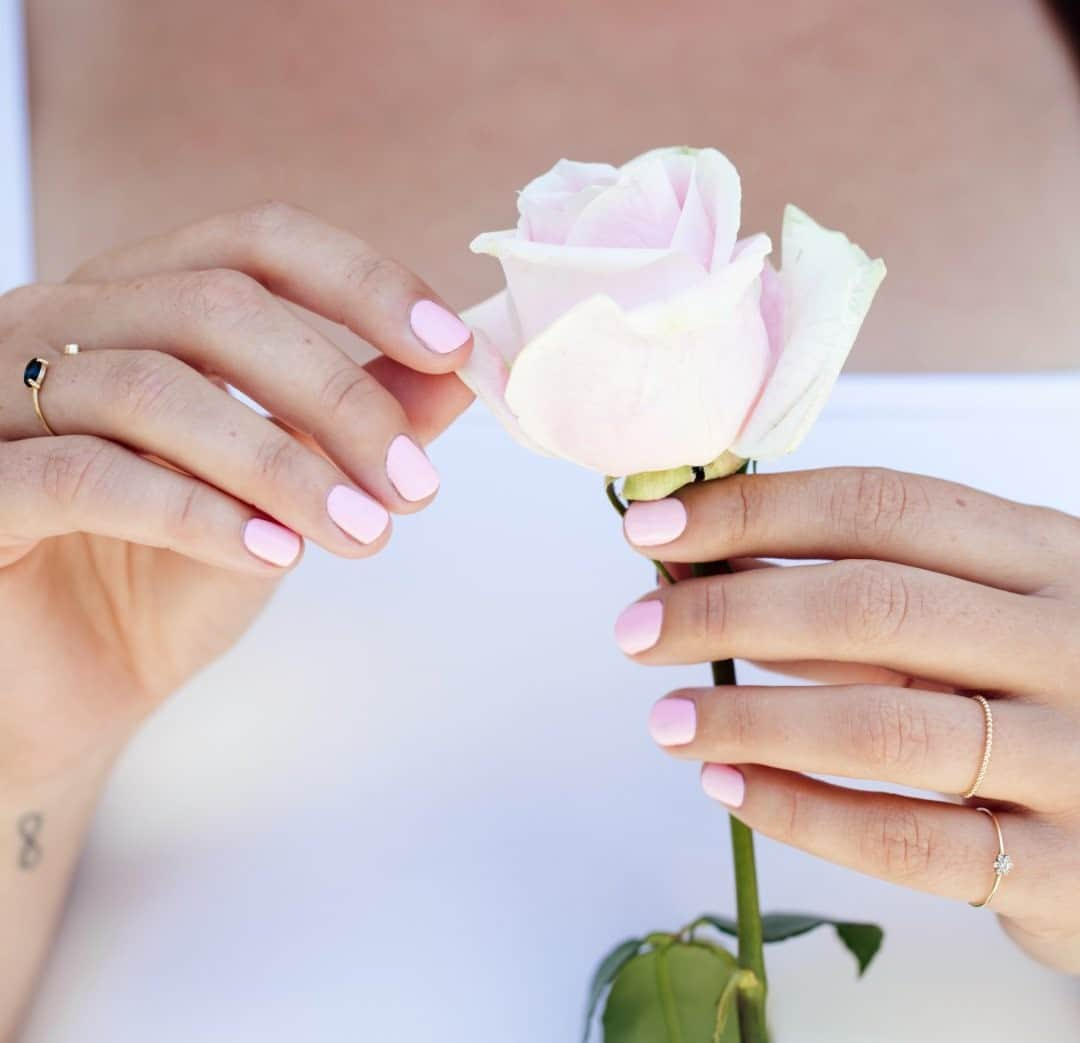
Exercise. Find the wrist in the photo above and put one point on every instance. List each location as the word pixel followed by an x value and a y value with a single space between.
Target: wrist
pixel 31 766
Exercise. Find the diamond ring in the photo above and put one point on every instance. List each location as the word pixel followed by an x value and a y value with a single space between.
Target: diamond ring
pixel 1003 864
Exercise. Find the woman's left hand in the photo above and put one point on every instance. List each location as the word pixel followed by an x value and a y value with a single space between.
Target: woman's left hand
pixel 931 593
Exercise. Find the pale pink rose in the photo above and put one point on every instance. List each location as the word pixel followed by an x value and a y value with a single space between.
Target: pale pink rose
pixel 637 333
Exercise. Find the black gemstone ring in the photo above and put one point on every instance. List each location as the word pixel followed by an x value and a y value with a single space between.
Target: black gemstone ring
pixel 34 378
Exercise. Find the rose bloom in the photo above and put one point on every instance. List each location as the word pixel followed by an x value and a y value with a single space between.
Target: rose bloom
pixel 638 333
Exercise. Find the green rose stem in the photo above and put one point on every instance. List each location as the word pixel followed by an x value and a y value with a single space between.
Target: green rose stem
pixel 752 1024
pixel 752 993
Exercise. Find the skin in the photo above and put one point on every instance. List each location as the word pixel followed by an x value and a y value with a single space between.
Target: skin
pixel 123 562
pixel 929 591
pixel 125 576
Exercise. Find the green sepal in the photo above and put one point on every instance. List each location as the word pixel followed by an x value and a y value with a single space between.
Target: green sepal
pixel 655 485
pixel 605 973
pixel 862 940
pixel 673 994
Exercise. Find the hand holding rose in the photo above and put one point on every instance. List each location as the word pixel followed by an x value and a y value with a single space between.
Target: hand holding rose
pixel 933 591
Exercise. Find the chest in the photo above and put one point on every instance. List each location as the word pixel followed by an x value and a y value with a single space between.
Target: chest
pixel 412 123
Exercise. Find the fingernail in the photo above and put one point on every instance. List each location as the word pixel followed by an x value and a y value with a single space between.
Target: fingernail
pixel 272 543
pixel 638 628
pixel 410 470
pixel 648 523
pixel 357 514
pixel 724 783
pixel 440 330
pixel 673 722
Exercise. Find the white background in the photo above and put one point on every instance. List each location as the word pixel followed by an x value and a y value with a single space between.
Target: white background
pixel 419 801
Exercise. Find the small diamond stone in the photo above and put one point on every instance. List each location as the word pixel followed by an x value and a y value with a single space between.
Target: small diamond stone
pixel 1003 865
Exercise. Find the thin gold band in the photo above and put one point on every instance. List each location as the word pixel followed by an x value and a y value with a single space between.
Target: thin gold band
pixel 1003 864
pixel 988 745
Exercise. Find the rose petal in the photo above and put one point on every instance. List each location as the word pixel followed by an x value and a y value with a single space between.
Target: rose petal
pixel 550 204
pixel 828 284
pixel 547 281
pixel 659 387
pixel 695 234
pixel 639 211
pixel 678 161
pixel 718 182
pixel 495 339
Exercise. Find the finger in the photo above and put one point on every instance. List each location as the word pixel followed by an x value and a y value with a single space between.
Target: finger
pixel 863 512
pixel 158 405
pixel 322 268
pixel 945 849
pixel 870 612
pixel 224 323
pixel 55 486
pixel 924 740
pixel 432 402
pixel 831 672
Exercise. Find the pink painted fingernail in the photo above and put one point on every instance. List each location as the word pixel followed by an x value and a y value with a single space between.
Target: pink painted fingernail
pixel 410 470
pixel 648 523
pixel 673 722
pixel 440 330
pixel 638 628
pixel 272 543
pixel 724 783
pixel 357 514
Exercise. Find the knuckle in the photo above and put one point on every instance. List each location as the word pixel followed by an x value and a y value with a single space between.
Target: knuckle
pixel 710 610
pixel 789 816
pixel 18 304
pixel 278 459
pixel 892 734
pixel 220 294
pixel 350 391
pixel 186 509
pixel 267 219
pixel 743 717
pixel 875 502
pixel 366 270
pixel 747 508
pixel 870 601
pixel 77 469
pixel 147 384
pixel 896 844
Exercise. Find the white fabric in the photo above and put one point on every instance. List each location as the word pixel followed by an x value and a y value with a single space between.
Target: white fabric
pixel 419 800
pixel 16 246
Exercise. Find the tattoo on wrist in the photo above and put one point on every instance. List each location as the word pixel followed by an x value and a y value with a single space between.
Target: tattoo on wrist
pixel 29 827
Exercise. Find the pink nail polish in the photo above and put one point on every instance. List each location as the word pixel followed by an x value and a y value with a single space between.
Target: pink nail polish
pixel 649 523
pixel 724 783
pixel 638 628
pixel 408 467
pixel 440 330
pixel 357 514
pixel 673 722
pixel 272 543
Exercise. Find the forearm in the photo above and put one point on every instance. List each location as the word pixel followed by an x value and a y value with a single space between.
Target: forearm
pixel 42 829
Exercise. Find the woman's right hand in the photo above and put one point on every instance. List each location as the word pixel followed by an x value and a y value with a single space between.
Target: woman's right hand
pixel 139 542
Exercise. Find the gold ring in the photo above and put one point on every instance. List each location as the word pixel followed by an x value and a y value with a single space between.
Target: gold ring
pixel 34 378
pixel 988 745
pixel 1003 864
